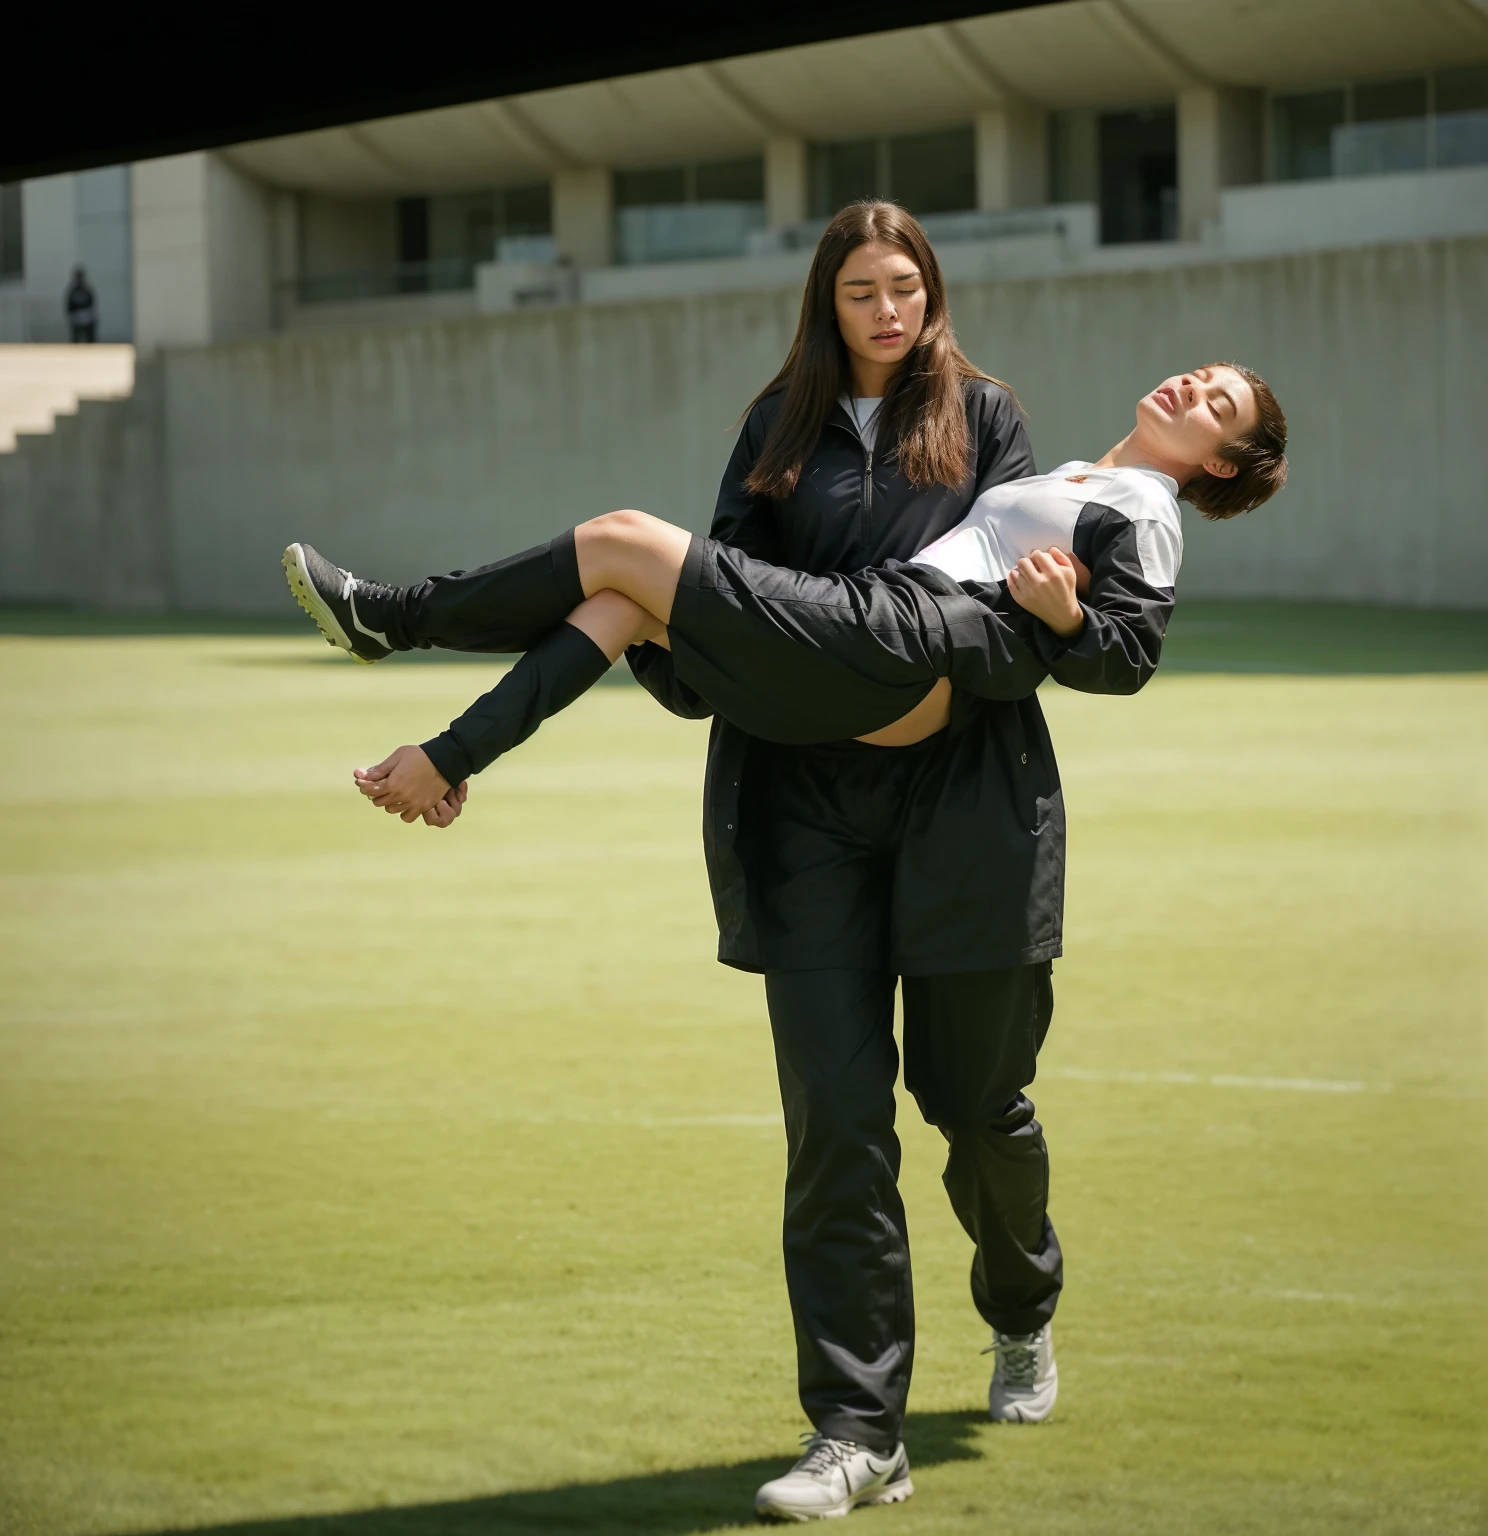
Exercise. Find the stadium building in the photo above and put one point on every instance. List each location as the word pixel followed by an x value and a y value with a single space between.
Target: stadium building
pixel 381 336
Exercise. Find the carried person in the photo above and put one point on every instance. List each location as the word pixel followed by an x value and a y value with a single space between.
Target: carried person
pixel 1071 574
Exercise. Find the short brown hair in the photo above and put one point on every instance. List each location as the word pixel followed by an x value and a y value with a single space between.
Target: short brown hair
pixel 1259 458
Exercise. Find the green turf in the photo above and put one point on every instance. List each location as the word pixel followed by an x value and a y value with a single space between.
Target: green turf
pixel 358 1179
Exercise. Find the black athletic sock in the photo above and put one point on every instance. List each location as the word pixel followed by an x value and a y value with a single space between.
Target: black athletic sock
pixel 553 673
pixel 507 606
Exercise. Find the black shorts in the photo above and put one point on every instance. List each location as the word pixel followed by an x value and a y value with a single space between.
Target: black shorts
pixel 794 658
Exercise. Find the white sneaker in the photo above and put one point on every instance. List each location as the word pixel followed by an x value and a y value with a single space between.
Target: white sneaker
pixel 833 1478
pixel 1026 1380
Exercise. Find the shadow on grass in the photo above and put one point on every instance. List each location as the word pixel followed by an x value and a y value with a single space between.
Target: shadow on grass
pixel 660 1503
pixel 1262 637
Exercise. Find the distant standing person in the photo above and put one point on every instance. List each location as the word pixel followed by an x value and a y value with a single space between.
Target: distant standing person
pixel 82 307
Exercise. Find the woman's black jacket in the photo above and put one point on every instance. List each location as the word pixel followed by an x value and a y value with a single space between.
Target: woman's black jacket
pixel 1003 825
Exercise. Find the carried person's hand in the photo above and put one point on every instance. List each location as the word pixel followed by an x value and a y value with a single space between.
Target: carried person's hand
pixel 443 814
pixel 1046 583
pixel 404 784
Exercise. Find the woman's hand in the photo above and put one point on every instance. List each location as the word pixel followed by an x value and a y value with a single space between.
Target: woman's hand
pixel 444 813
pixel 1045 583
pixel 405 784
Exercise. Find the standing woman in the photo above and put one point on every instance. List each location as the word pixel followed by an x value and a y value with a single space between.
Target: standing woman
pixel 839 870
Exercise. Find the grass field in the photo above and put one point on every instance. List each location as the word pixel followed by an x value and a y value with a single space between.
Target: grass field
pixel 363 1180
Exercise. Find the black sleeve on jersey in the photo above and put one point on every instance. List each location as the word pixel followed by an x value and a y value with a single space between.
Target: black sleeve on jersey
pixel 1125 615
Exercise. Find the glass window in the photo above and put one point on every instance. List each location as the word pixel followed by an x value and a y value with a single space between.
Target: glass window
pixel 1462 116
pixel 649 189
pixel 413 229
pixel 1388 132
pixel 927 172
pixel 717 181
pixel 525 210
pixel 12 248
pixel 842 173
pixel 1379 126
pixel 731 181
pixel 685 231
pixel 1463 90
pixel 1139 175
pixel 1383 101
pixel 462 226
pixel 689 212
pixel 1302 134
pixel 934 172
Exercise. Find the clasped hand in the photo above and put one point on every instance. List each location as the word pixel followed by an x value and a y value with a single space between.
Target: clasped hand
pixel 1047 583
pixel 406 784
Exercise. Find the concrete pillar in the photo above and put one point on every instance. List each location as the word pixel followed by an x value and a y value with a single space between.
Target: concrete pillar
pixel 172 306
pixel 1012 157
pixel 203 253
pixel 1074 175
pixel 584 216
pixel 787 182
pixel 1219 145
pixel 240 246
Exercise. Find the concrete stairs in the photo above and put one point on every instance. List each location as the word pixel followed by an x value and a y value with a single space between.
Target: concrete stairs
pixel 38 383
pixel 83 520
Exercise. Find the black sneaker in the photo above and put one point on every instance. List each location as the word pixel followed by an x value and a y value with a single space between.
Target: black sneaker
pixel 329 595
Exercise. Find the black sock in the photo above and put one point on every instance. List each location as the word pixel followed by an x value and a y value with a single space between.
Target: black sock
pixel 553 673
pixel 506 606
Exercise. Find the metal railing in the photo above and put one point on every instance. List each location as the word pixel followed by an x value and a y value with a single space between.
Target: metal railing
pixel 685 231
pixel 1075 222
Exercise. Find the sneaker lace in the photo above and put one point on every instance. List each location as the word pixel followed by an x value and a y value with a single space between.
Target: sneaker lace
pixel 1017 1357
pixel 371 589
pixel 823 1453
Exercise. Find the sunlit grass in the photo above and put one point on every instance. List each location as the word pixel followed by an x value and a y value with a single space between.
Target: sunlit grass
pixel 432 1180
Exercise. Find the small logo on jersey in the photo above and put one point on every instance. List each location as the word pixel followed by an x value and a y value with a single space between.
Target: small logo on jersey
pixel 1078 479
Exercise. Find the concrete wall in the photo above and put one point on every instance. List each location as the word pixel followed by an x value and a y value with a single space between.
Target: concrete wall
pixel 411 449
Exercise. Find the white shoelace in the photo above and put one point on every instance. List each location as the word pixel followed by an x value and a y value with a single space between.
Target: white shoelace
pixel 1018 1358
pixel 823 1453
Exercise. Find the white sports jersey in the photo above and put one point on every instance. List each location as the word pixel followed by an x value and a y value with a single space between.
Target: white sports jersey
pixel 1012 520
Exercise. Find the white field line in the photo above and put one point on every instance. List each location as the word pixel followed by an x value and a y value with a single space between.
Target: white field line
pixel 1225 1080
pixel 1333 1296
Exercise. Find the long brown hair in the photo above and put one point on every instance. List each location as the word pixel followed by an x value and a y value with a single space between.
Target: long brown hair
pixel 924 410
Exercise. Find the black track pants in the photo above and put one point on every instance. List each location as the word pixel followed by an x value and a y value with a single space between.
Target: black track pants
pixel 504 607
pixel 970 1044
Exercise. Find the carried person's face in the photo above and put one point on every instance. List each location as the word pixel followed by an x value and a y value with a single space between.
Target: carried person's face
pixel 880 298
pixel 1190 417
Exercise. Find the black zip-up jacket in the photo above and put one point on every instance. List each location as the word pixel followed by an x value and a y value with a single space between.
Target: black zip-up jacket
pixel 1004 824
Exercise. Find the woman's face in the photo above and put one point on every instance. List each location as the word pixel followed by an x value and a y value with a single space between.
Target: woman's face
pixel 880 299
pixel 1189 418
